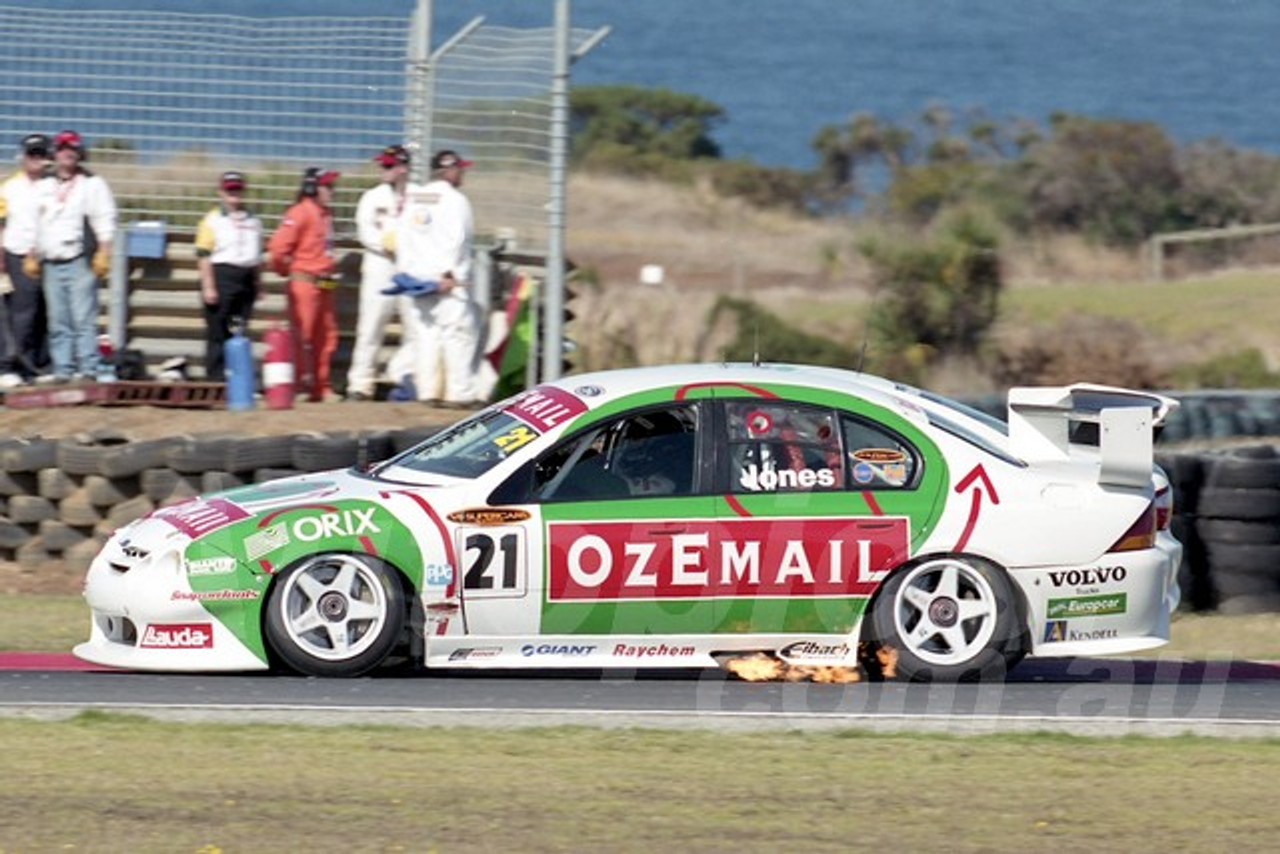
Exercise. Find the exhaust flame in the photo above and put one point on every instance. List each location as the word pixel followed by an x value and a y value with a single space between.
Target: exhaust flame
pixel 756 668
pixel 887 657
pixel 762 667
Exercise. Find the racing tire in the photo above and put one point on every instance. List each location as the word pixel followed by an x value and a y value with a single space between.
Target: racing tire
pixel 1246 467
pixel 950 619
pixel 335 614
pixel 1242 504
pixel 1238 532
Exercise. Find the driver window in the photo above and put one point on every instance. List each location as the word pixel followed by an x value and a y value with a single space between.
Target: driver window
pixel 643 454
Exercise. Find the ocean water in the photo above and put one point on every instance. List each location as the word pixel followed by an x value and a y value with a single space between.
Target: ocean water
pixel 783 70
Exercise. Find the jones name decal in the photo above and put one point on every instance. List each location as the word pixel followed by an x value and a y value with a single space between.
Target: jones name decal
pixel 707 559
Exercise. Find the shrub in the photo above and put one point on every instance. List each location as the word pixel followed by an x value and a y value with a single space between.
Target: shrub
pixel 1082 348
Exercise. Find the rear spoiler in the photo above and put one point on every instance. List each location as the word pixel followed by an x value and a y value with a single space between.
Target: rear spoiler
pixel 1042 420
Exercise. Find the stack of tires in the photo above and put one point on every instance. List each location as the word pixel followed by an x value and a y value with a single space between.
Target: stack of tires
pixel 1237 519
pixel 1185 473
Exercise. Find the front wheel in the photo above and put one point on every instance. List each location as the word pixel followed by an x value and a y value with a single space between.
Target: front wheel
pixel 335 615
pixel 950 619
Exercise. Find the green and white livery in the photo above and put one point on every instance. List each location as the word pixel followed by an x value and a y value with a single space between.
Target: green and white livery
pixel 676 516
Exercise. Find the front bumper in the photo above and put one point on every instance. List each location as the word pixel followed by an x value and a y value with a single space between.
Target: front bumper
pixel 145 616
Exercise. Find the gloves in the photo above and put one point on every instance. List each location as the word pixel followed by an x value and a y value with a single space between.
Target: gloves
pixel 389 242
pixel 31 266
pixel 6 284
pixel 101 264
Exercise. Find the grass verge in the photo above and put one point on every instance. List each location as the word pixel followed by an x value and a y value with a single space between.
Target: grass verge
pixel 114 783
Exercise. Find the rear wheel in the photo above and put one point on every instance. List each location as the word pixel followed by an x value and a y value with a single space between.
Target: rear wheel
pixel 335 614
pixel 949 619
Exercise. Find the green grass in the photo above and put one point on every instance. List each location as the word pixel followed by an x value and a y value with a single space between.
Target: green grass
pixel 42 623
pixel 112 783
pixel 1185 310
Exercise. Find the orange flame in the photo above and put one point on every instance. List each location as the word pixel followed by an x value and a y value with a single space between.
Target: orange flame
pixel 756 668
pixel 762 667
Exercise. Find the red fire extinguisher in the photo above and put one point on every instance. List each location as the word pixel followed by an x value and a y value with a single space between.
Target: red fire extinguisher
pixel 277 369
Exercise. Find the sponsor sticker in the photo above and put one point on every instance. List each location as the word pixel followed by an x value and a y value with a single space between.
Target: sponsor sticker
pixel 211 566
pixel 653 650
pixel 1090 577
pixel 722 558
pixel 201 516
pixel 1055 631
pixel 262 543
pixel 544 408
pixel 1088 606
pixel 177 636
pixel 437 574
pixel 214 595
pixel 802 651
pixel 489 516
pixel 470 654
pixel 561 650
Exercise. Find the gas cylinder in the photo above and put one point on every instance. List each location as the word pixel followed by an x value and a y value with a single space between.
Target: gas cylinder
pixel 277 368
pixel 237 354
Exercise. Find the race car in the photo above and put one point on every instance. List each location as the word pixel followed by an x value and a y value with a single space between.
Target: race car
pixel 676 516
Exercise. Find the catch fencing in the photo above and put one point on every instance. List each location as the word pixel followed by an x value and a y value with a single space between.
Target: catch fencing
pixel 167 101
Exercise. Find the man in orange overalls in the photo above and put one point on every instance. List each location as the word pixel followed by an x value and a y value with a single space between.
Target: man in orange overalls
pixel 302 249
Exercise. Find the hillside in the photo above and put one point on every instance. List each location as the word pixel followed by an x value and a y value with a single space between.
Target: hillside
pixel 1094 303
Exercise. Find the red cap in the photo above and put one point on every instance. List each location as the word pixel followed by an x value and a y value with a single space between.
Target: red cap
pixel 391 155
pixel 68 139
pixel 328 179
pixel 232 181
pixel 449 159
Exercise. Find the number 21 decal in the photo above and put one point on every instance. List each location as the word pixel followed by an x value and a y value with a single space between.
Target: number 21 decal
pixel 493 561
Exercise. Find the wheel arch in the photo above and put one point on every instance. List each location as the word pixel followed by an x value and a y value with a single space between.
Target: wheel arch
pixel 412 604
pixel 866 629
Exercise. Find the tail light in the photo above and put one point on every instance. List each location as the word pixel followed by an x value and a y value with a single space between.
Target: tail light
pixel 1164 508
pixel 1141 534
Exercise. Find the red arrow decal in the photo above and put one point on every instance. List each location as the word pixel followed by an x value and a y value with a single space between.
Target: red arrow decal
pixel 977 480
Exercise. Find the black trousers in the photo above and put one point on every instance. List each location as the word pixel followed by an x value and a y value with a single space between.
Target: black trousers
pixel 25 349
pixel 237 291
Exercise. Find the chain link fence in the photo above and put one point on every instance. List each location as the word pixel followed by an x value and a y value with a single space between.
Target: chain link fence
pixel 168 101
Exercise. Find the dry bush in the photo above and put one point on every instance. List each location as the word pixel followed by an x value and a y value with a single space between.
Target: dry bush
pixel 1082 348
pixel 1053 258
pixel 618 326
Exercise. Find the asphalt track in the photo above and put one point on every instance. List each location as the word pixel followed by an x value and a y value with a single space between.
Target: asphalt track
pixel 1158 697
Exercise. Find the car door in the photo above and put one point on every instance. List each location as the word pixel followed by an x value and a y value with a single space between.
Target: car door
pixel 626 521
pixel 819 505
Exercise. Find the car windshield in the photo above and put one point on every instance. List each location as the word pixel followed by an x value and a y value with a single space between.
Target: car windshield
pixel 468 449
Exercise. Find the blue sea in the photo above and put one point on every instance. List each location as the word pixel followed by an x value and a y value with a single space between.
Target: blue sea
pixel 783 70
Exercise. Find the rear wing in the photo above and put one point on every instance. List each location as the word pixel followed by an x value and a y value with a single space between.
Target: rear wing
pixel 1045 422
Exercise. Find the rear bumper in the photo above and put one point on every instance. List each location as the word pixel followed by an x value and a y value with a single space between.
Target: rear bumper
pixel 1123 603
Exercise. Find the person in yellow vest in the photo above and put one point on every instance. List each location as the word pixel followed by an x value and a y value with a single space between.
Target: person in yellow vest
pixel 229 256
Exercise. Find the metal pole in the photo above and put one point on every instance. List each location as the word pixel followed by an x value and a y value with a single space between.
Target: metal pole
pixel 419 92
pixel 553 299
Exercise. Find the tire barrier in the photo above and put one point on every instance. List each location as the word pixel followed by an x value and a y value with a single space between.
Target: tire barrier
pixel 60 499
pixel 1227 515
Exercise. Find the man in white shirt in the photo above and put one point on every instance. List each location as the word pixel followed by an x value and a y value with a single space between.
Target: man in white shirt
pixel 376 212
pixel 433 243
pixel 26 354
pixel 229 257
pixel 74 260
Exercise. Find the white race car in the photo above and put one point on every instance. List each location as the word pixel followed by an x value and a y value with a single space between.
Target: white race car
pixel 675 517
